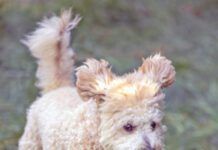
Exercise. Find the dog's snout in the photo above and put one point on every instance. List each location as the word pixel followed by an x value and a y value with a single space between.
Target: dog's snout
pixel 147 144
pixel 146 141
pixel 147 148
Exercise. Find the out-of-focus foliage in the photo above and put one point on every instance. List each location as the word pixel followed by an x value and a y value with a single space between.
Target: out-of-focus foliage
pixel 122 31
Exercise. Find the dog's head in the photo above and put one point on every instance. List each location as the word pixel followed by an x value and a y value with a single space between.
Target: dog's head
pixel 130 106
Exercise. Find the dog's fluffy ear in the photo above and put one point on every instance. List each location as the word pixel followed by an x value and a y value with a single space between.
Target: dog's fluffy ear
pixel 93 79
pixel 159 69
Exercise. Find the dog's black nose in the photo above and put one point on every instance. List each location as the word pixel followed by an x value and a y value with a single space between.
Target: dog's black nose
pixel 147 148
pixel 147 144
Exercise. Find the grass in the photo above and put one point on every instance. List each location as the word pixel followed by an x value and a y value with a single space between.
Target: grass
pixel 122 33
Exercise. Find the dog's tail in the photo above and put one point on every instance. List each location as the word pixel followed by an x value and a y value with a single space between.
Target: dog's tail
pixel 49 43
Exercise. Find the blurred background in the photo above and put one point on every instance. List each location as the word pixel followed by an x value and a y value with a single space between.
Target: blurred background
pixel 122 31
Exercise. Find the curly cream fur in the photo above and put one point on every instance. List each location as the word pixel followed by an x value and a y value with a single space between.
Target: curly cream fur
pixel 93 77
pixel 159 69
pixel 92 115
pixel 50 45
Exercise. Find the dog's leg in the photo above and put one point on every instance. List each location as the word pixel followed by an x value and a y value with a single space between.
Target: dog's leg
pixel 30 139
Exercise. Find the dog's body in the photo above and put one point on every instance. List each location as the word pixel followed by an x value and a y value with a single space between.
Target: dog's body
pixel 103 111
pixel 60 120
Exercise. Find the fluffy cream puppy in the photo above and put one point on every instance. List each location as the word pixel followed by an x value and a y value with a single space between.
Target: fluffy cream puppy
pixel 103 110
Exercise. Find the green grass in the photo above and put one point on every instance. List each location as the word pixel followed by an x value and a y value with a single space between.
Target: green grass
pixel 122 32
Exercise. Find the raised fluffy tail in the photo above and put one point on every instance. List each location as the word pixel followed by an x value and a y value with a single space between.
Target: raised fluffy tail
pixel 49 43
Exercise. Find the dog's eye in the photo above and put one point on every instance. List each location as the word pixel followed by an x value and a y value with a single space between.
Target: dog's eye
pixel 129 127
pixel 153 125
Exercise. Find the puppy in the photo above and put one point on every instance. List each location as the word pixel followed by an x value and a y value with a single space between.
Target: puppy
pixel 103 110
